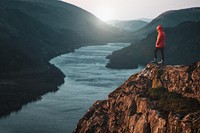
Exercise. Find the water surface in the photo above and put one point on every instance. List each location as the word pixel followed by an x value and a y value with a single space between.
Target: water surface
pixel 87 80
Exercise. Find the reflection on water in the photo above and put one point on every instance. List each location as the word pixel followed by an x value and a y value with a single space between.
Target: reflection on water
pixel 87 80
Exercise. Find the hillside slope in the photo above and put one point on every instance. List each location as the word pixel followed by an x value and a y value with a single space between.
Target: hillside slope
pixel 31 33
pixel 63 16
pixel 169 19
pixel 182 47
pixel 131 25
pixel 38 30
pixel 158 100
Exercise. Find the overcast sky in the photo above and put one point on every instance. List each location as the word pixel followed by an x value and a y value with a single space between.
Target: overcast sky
pixel 131 9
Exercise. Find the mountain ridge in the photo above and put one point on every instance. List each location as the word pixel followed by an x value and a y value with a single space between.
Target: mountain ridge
pixel 31 33
pixel 129 25
pixel 182 46
pixel 169 19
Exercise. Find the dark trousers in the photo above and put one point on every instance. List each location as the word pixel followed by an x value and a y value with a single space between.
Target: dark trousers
pixel 161 51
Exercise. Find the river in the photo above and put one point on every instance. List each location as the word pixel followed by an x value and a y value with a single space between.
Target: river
pixel 87 80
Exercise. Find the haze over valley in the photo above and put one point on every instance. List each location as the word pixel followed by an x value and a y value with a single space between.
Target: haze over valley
pixel 87 48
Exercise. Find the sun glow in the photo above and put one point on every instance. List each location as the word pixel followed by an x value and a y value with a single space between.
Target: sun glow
pixel 104 13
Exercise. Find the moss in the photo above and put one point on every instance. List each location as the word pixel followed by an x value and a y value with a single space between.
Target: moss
pixel 156 93
pixel 173 102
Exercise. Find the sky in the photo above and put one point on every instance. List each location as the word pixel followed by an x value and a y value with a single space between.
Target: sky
pixel 131 9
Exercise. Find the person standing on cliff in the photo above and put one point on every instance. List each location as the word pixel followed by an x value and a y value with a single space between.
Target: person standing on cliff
pixel 160 45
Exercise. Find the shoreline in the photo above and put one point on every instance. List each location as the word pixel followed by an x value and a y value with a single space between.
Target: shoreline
pixel 65 104
pixel 19 89
pixel 22 89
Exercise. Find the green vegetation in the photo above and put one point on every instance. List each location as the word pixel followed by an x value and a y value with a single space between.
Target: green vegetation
pixel 172 101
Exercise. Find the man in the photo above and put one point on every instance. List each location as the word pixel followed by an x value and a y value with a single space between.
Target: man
pixel 160 45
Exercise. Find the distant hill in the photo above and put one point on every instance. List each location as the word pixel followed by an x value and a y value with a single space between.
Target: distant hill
pixel 31 33
pixel 63 16
pixel 169 19
pixel 129 25
pixel 37 30
pixel 145 19
pixel 179 26
pixel 182 47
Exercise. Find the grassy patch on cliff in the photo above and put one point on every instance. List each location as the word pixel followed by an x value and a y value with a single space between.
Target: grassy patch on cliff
pixel 172 101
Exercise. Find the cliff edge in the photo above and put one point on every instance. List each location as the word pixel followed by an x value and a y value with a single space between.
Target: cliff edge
pixel 156 100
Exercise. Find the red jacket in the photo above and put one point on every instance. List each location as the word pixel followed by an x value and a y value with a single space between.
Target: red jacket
pixel 160 43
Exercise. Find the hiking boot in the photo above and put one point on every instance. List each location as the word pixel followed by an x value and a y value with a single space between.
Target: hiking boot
pixel 161 62
pixel 154 61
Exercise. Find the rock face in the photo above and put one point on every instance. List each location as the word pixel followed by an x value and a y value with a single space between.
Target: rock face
pixel 155 100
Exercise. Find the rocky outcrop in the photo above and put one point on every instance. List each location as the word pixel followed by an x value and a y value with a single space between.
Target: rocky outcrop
pixel 157 100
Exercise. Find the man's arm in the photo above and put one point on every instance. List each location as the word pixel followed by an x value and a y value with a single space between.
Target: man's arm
pixel 158 40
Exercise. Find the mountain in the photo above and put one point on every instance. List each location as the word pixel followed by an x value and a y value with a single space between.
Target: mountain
pixel 182 41
pixel 129 25
pixel 145 19
pixel 155 100
pixel 182 47
pixel 45 28
pixel 63 16
pixel 31 33
pixel 169 19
